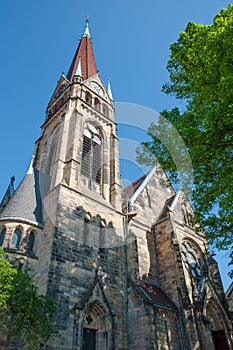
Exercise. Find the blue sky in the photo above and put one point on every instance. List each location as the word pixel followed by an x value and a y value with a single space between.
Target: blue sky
pixel 131 42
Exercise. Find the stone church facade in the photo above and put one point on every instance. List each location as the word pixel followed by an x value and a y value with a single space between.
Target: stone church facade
pixel 126 267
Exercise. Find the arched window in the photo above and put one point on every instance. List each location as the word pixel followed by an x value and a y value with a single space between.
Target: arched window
pixel 2 235
pixel 192 259
pixel 50 157
pixel 16 238
pixel 88 97
pixel 97 103
pixel 184 216
pixel 91 153
pixel 30 242
pixel 105 109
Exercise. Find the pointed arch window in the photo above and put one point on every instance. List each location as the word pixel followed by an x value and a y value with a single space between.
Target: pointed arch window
pixel 88 97
pixel 105 109
pixel 16 238
pixel 192 259
pixel 30 242
pixel 50 158
pixel 97 104
pixel 91 153
pixel 2 235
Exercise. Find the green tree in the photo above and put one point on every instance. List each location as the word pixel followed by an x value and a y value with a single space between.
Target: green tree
pixel 27 316
pixel 201 74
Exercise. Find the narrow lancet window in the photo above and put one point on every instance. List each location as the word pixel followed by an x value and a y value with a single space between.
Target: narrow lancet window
pixel 97 104
pixel 30 242
pixel 2 236
pixel 16 238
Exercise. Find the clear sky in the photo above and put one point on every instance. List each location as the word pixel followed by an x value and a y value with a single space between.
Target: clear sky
pixel 131 42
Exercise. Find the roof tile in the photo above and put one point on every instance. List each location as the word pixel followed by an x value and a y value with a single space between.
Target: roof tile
pixel 156 296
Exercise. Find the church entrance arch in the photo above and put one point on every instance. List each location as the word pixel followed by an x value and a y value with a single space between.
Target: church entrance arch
pixel 217 325
pixel 96 327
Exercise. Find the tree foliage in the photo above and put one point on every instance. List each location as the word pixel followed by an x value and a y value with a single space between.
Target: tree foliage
pixel 26 315
pixel 201 74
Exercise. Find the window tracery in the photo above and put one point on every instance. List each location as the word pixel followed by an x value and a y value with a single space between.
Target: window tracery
pixel 195 265
pixel 192 259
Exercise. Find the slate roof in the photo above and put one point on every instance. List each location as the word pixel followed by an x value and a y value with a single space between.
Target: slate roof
pixel 8 194
pixel 26 202
pixel 156 296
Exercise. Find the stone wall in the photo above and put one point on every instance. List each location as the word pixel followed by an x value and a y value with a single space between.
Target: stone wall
pixel 85 269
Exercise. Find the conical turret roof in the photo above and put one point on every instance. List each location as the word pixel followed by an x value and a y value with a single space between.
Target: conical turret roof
pixel 26 201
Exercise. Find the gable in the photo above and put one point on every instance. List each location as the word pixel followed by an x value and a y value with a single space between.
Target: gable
pixel 62 84
pixel 95 84
pixel 148 194
pixel 181 209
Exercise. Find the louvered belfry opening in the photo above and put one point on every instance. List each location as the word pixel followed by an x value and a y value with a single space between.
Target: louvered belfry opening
pixel 91 153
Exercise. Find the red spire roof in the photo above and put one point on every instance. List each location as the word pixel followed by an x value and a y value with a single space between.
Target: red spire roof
pixel 84 56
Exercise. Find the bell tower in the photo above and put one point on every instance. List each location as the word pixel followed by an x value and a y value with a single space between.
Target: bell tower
pixel 138 278
pixel 78 146
pixel 77 162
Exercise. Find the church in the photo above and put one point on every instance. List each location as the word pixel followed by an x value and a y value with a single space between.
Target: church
pixel 126 267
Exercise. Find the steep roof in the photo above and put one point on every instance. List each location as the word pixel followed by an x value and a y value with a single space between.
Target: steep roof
pixel 26 200
pixel 167 204
pixel 156 296
pixel 8 194
pixel 84 61
pixel 132 188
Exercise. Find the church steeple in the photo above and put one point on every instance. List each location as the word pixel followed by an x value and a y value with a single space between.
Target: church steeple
pixel 84 57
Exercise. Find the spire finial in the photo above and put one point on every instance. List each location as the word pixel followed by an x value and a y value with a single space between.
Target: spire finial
pixel 12 180
pixel 109 90
pixel 86 33
pixel 85 55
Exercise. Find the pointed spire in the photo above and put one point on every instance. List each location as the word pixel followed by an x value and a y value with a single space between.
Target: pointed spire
pixel 109 90
pixel 79 69
pixel 86 33
pixel 30 169
pixel 85 55
pixel 8 194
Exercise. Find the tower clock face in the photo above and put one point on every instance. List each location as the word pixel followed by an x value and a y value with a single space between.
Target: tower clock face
pixel 97 88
